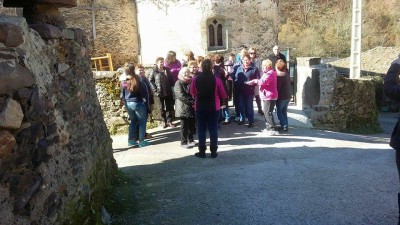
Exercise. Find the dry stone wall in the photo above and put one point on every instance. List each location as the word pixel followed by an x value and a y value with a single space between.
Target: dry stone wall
pixel 334 102
pixel 56 158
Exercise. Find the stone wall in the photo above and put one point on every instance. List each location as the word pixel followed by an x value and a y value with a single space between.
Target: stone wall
pixel 56 158
pixel 115 25
pixel 115 114
pixel 334 102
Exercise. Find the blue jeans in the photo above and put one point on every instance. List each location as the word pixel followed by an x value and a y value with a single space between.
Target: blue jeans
pixel 281 111
pixel 138 115
pixel 246 107
pixel 207 120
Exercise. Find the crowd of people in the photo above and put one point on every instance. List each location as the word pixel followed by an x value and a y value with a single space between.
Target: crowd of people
pixel 197 91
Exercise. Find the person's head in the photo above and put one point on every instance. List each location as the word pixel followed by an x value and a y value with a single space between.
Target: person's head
pixel 246 60
pixel 253 53
pixel 207 66
pixel 199 60
pixel 129 68
pixel 219 58
pixel 189 55
pixel 275 49
pixel 280 65
pixel 160 63
pixel 184 74
pixel 131 78
pixel 193 67
pixel 231 57
pixel 266 65
pixel 139 70
pixel 171 57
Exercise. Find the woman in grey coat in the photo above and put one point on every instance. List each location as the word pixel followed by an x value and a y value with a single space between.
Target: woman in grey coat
pixel 184 108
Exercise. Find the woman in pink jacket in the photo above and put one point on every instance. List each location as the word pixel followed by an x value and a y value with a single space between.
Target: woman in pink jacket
pixel 268 95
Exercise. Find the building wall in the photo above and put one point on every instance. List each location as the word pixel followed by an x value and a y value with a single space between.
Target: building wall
pixel 116 29
pixel 142 30
pixel 181 25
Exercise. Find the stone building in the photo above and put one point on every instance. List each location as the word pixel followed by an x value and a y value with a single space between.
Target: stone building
pixel 142 30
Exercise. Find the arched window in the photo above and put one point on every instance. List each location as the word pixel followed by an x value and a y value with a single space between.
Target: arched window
pixel 216 38
pixel 219 35
pixel 211 35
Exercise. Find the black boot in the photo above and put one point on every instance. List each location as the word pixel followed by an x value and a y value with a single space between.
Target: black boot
pixel 398 205
pixel 202 152
pixel 213 150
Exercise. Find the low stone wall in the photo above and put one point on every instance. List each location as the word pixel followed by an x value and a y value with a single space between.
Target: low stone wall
pixel 334 102
pixel 56 160
pixel 115 114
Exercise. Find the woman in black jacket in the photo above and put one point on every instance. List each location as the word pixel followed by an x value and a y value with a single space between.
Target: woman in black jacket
pixel 392 90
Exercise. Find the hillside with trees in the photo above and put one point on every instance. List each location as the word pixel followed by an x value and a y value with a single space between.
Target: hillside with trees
pixel 323 27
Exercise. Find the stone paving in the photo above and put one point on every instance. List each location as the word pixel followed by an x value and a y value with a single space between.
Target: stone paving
pixel 306 176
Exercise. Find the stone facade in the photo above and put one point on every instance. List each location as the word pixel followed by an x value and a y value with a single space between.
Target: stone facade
pixel 183 25
pixel 142 30
pixel 115 28
pixel 334 102
pixel 56 160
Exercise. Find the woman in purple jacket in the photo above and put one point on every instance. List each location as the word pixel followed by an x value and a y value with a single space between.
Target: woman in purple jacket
pixel 174 66
pixel 207 91
pixel 268 95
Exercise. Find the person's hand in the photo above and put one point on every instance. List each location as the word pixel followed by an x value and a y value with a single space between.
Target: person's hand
pixel 397 60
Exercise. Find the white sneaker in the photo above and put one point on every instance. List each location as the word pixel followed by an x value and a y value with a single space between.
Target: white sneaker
pixel 193 144
pixel 270 132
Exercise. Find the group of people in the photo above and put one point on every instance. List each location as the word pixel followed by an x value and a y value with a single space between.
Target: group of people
pixel 197 92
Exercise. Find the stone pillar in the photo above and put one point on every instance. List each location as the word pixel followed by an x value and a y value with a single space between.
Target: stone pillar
pixel 308 88
pixel 42 11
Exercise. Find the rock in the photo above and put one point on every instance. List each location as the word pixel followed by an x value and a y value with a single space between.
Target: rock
pixel 14 77
pixel 62 67
pixel 11 35
pixel 47 31
pixel 7 143
pixel 27 187
pixel 12 115
pixel 68 34
pixel 117 121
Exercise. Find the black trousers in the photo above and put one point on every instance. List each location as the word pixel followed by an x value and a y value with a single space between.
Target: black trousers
pixel 167 108
pixel 187 130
